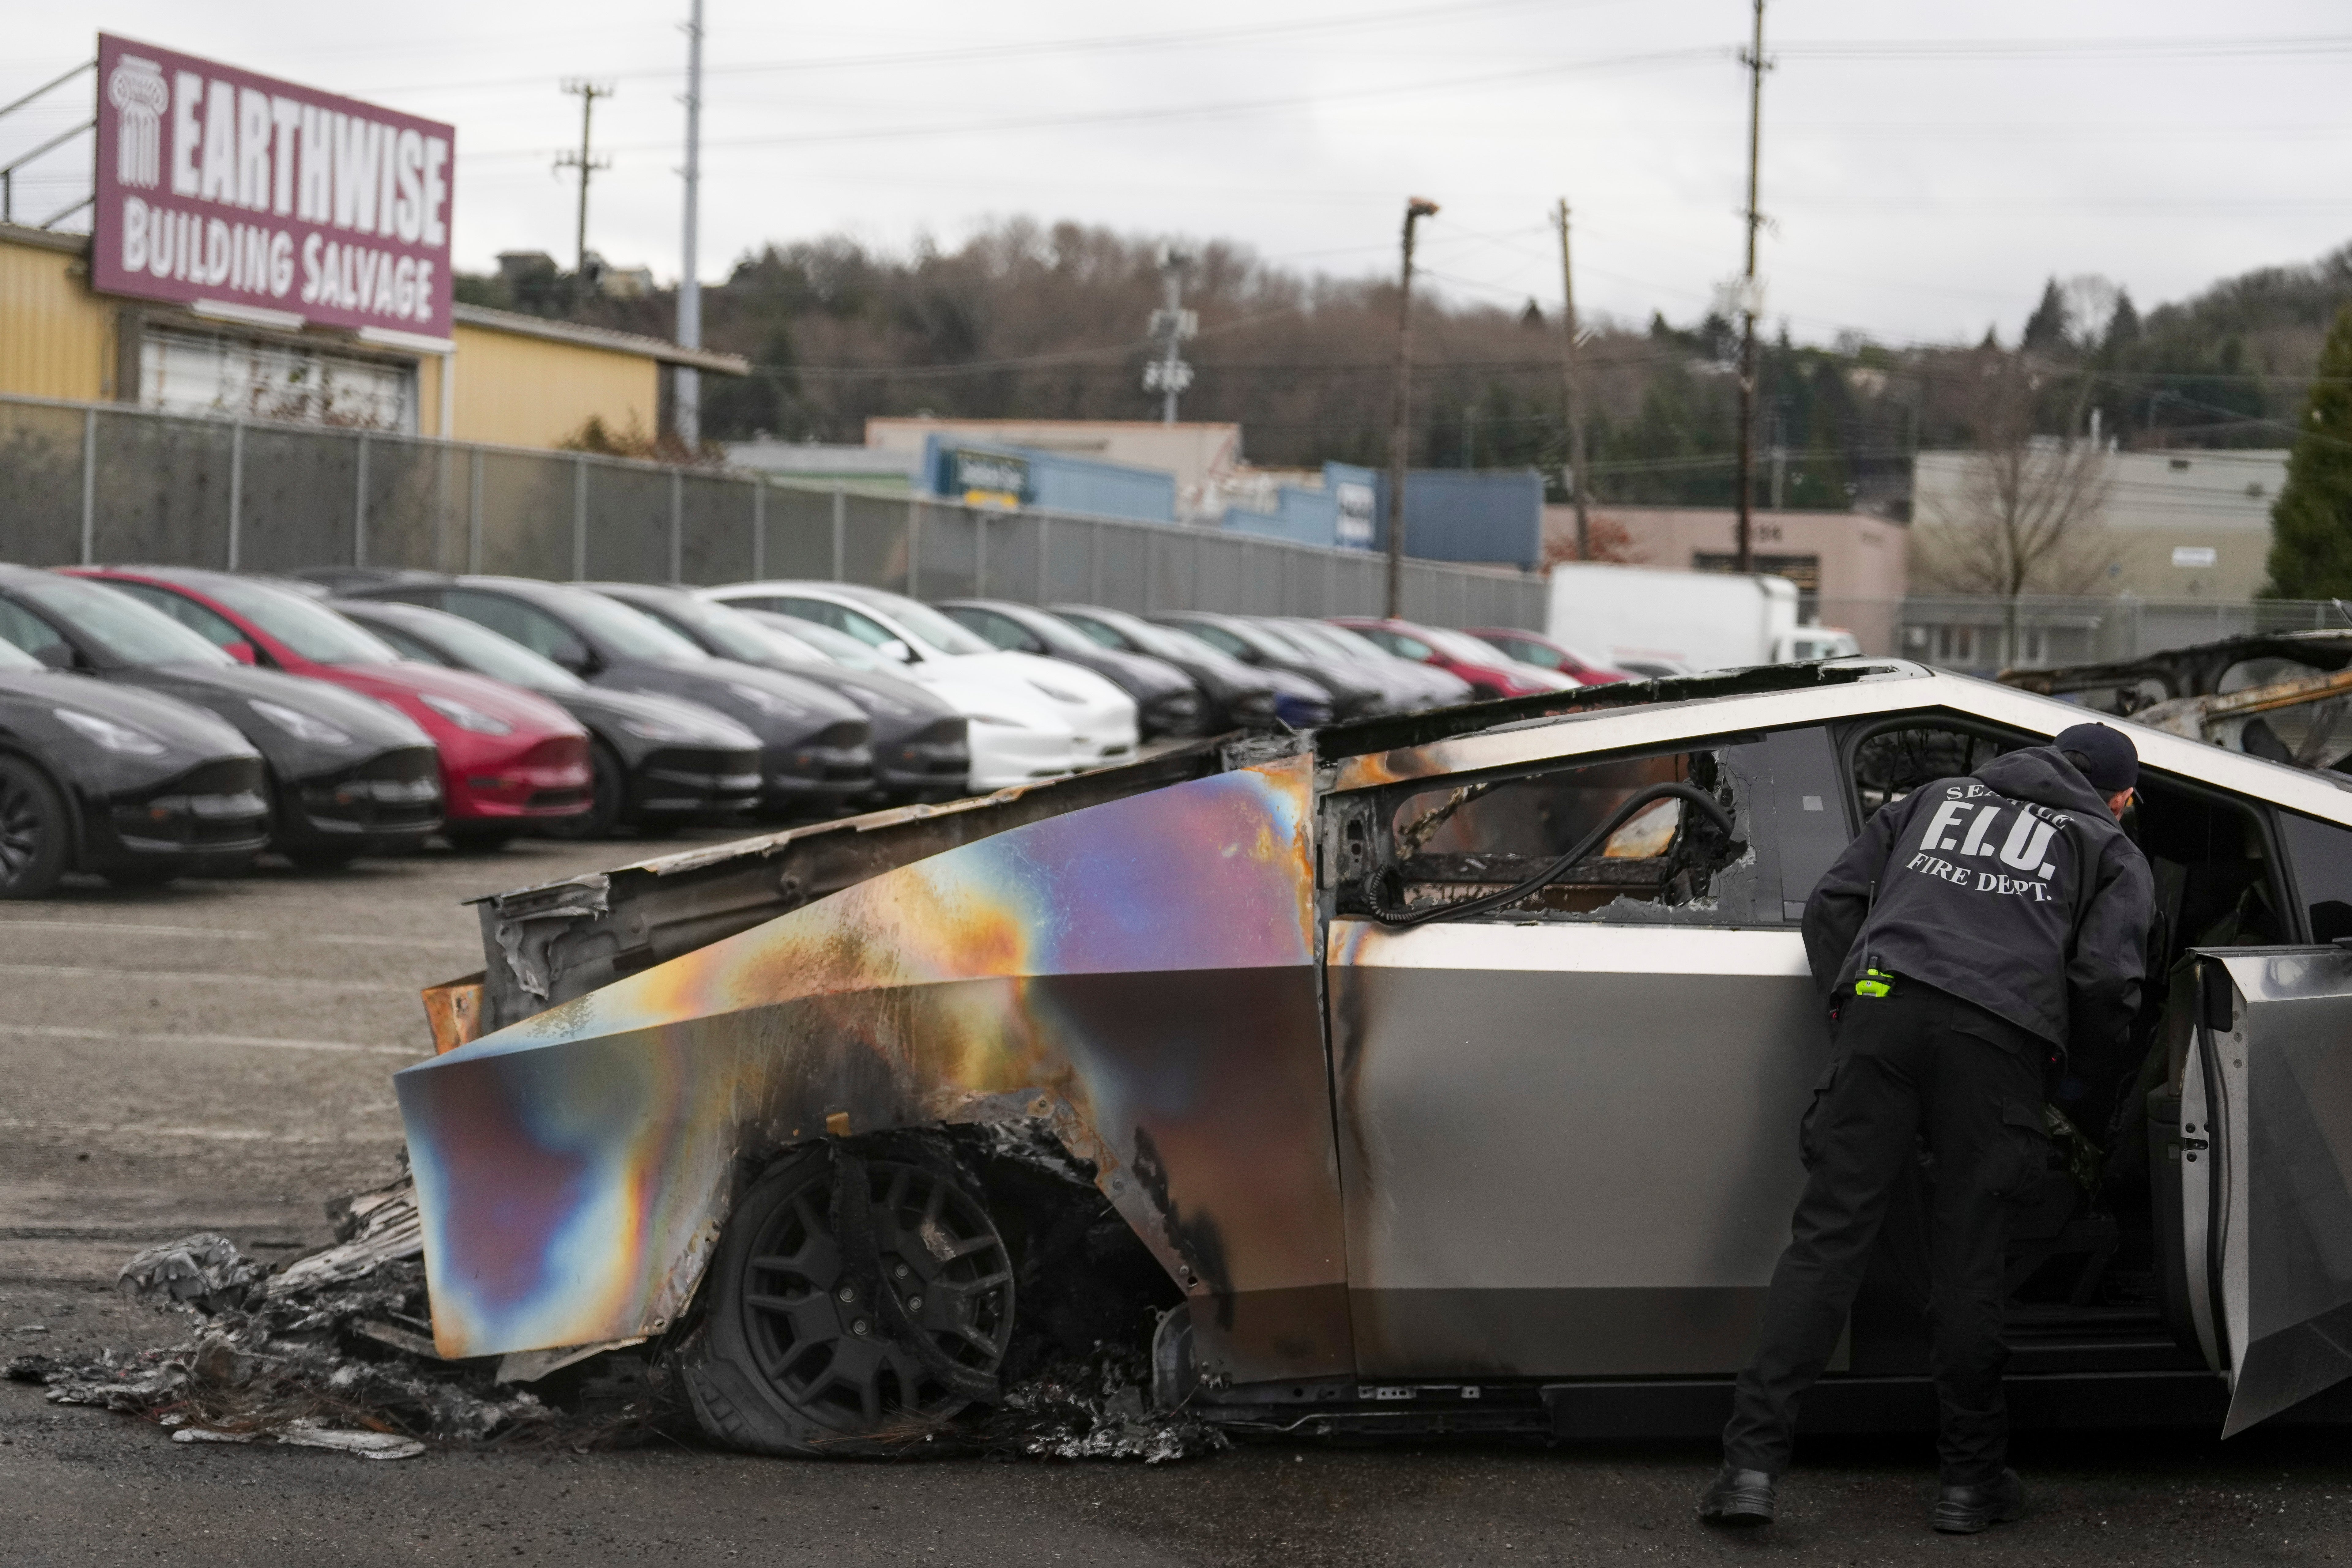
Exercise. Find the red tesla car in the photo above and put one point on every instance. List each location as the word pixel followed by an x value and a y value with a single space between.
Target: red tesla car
pixel 1529 648
pixel 508 757
pixel 1490 670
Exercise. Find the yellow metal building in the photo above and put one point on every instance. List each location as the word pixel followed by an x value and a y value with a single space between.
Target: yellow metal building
pixel 500 378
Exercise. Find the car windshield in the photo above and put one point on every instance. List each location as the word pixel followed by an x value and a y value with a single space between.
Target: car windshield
pixel 15 660
pixel 1055 632
pixel 1310 637
pixel 313 631
pixel 1460 647
pixel 1525 652
pixel 822 642
pixel 485 652
pixel 631 633
pixel 1141 634
pixel 926 624
pixel 120 623
pixel 1277 641
pixel 1351 642
pixel 729 633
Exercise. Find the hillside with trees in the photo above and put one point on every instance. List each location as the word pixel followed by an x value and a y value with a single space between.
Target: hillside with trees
pixel 1037 320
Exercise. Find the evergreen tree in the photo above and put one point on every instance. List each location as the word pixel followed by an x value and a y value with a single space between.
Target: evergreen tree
pixel 2311 525
pixel 2046 327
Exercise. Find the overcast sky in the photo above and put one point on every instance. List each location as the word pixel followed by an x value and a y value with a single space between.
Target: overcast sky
pixel 1924 168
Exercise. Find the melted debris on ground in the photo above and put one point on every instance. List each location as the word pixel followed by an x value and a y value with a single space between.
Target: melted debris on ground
pixel 334 1350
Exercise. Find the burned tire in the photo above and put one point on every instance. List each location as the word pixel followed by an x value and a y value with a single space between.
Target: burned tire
pixel 859 1301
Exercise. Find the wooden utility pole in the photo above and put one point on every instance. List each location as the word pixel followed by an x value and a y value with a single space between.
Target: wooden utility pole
pixel 1401 434
pixel 1754 60
pixel 588 93
pixel 1572 394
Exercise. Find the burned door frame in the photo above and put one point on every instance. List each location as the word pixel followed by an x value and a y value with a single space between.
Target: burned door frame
pixel 1500 1229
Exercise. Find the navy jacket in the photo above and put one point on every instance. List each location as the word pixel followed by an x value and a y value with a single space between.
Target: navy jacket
pixel 2012 888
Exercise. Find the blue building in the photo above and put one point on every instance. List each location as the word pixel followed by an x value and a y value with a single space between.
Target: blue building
pixel 1336 516
pixel 1455 514
pixel 987 473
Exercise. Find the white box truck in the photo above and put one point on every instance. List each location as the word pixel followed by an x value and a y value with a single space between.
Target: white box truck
pixel 1647 621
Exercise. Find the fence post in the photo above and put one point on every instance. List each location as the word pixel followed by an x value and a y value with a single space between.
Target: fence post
pixel 676 525
pixel 359 507
pixel 473 510
pixel 88 486
pixel 840 516
pixel 978 552
pixel 1150 568
pixel 1093 561
pixel 579 520
pixel 236 488
pixel 758 528
pixel 914 548
pixel 1045 559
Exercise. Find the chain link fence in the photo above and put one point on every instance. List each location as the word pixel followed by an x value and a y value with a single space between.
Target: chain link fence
pixel 1980 635
pixel 88 483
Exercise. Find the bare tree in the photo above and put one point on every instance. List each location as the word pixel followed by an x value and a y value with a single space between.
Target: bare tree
pixel 2026 514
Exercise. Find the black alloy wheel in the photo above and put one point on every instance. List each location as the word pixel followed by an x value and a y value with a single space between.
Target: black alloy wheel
pixel 856 1302
pixel 608 796
pixel 33 828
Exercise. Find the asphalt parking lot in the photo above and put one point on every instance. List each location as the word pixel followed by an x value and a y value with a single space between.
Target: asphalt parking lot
pixel 217 1056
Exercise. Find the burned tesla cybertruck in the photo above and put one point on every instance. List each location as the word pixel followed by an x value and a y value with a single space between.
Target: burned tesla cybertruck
pixel 1437 1073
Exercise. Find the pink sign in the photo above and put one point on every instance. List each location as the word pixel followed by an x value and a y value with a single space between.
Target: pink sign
pixel 258 198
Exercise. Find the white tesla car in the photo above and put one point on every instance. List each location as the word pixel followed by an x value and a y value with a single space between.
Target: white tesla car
pixel 986 683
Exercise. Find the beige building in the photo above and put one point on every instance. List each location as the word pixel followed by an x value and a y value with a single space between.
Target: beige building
pixel 1205 459
pixel 2164 525
pixel 499 377
pixel 1850 568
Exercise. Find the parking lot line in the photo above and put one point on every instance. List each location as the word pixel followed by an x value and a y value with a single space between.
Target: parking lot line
pixel 67 1032
pixel 208 1134
pixel 203 977
pixel 230 933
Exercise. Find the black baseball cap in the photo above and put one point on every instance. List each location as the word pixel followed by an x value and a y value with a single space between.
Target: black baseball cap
pixel 2105 755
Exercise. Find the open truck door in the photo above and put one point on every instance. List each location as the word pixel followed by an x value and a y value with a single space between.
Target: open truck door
pixel 2266 1173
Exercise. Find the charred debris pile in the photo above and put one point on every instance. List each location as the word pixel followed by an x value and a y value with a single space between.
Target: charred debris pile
pixel 334 1350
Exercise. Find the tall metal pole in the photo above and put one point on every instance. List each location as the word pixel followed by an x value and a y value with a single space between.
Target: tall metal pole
pixel 588 93
pixel 1400 435
pixel 1168 374
pixel 689 288
pixel 1754 60
pixel 1572 393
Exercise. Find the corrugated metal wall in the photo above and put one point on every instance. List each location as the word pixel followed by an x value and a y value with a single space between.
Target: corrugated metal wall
pixel 514 390
pixel 57 339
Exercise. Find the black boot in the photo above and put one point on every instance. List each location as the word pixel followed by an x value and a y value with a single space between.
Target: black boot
pixel 1964 1510
pixel 1737 1499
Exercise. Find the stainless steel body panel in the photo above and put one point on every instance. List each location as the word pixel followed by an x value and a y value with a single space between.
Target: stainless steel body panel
pixel 1567 1149
pixel 2280 1086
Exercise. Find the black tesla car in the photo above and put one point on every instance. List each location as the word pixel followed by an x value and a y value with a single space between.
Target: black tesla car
pixel 921 751
pixel 658 762
pixel 346 776
pixel 1238 697
pixel 815 744
pixel 1167 699
pixel 129 784
pixel 1354 695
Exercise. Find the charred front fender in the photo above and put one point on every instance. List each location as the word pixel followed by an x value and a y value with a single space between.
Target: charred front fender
pixel 1137 976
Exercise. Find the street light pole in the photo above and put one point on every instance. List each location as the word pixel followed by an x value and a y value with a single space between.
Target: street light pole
pixel 1572 393
pixel 1401 436
pixel 689 382
pixel 1754 60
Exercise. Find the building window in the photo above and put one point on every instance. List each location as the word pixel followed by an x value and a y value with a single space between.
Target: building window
pixel 250 378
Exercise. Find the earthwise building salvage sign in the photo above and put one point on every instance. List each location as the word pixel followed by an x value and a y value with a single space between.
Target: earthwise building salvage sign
pixel 247 197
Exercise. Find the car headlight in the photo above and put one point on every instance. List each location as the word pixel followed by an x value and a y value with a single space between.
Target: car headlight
pixel 465 715
pixel 109 735
pixel 1058 693
pixel 999 719
pixel 669 730
pixel 300 725
pixel 875 702
pixel 769 703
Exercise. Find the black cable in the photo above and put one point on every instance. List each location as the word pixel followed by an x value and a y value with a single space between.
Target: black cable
pixel 1378 889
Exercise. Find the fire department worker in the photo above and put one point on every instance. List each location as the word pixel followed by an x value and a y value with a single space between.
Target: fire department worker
pixel 1978 929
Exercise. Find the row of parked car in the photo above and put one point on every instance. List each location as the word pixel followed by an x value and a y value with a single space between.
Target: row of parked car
pixel 345 711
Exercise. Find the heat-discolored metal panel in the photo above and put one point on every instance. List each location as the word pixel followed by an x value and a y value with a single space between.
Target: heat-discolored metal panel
pixel 1138 976
pixel 1569 1150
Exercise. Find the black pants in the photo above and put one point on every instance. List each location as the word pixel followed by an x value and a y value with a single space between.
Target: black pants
pixel 1920 1060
